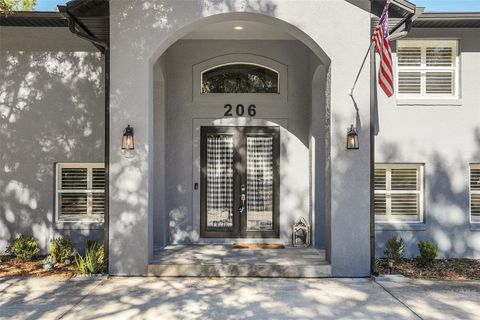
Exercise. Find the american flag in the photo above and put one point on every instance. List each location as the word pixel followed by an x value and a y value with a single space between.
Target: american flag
pixel 382 46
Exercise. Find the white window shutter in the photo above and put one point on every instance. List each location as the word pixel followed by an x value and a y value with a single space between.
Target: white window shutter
pixel 440 56
pixel 404 179
pixel 398 192
pixel 98 178
pixel 409 56
pixel 440 83
pixel 475 192
pixel 427 68
pixel 380 204
pixel 405 204
pixel 98 183
pixel 80 192
pixel 73 203
pixel 74 178
pixel 409 82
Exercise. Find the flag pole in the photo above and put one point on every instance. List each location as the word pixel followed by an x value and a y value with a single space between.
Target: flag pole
pixel 350 93
pixel 387 4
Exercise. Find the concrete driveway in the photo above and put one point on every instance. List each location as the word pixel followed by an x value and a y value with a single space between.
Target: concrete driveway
pixel 237 298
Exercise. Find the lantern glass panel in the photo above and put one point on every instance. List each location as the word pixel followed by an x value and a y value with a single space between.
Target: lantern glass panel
pixel 352 138
pixel 127 139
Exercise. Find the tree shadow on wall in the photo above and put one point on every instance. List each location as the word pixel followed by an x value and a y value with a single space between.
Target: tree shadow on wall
pixel 51 110
pixel 446 204
pixel 159 18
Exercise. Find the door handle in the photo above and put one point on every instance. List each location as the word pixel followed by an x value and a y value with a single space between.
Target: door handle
pixel 241 209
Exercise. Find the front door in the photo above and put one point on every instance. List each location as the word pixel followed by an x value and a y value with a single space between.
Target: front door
pixel 239 182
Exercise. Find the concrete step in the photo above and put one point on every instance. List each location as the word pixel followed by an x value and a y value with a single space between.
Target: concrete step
pixel 225 261
pixel 239 270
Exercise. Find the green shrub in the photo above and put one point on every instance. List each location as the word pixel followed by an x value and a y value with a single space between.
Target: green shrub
pixel 394 249
pixel 24 248
pixel 92 262
pixel 61 248
pixel 92 244
pixel 378 265
pixel 428 252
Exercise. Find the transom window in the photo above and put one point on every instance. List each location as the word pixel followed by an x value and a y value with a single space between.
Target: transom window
pixel 80 191
pixel 427 68
pixel 398 192
pixel 240 78
pixel 475 192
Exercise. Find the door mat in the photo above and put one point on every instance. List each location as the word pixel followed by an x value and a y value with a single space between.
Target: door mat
pixel 238 245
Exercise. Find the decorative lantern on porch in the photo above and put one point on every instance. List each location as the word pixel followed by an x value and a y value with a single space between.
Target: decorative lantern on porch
pixel 301 233
pixel 352 138
pixel 127 139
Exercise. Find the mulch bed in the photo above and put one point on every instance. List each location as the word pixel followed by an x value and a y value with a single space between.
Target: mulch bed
pixel 12 267
pixel 445 269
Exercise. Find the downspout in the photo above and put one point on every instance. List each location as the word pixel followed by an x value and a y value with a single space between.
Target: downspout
pixel 407 21
pixel 73 24
pixel 104 48
pixel 106 215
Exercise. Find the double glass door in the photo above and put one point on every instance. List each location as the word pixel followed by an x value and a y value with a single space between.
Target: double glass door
pixel 239 182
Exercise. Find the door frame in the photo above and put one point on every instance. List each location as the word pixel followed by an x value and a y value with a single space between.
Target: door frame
pixel 240 134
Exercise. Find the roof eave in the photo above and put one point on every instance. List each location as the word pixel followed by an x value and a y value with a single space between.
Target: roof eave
pixel 450 16
pixel 448 20
pixel 405 5
pixel 32 19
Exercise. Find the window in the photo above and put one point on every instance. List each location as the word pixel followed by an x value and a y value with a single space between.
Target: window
pixel 475 192
pixel 80 191
pixel 398 192
pixel 427 68
pixel 240 78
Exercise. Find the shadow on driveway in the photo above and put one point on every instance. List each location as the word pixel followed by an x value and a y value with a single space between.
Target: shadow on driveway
pixel 233 298
pixel 436 299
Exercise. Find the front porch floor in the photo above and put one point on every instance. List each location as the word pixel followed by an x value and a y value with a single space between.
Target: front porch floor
pixel 225 261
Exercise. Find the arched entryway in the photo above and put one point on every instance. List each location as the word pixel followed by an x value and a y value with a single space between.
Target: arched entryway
pixel 229 89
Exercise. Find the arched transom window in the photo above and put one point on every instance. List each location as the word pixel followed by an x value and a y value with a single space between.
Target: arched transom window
pixel 240 78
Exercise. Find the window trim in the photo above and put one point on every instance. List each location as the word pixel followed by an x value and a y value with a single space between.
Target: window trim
pixel 421 192
pixel 470 192
pixel 83 218
pixel 238 62
pixel 422 43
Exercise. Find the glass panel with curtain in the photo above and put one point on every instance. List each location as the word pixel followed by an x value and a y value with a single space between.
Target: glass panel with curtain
pixel 219 182
pixel 259 183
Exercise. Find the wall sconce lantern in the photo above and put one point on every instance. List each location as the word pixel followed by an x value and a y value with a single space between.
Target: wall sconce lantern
pixel 128 142
pixel 301 233
pixel 352 138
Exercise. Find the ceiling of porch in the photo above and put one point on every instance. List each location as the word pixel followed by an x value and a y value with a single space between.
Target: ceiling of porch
pixel 239 30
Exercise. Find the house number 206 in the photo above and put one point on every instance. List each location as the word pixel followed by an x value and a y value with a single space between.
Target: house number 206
pixel 240 110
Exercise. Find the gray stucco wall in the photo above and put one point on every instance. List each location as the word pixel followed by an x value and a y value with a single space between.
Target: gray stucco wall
pixel 141 32
pixel 187 111
pixel 446 138
pixel 51 110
